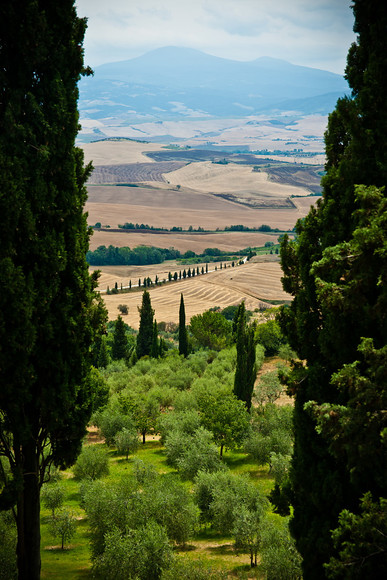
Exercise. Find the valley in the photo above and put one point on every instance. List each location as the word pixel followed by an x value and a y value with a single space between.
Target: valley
pixel 147 183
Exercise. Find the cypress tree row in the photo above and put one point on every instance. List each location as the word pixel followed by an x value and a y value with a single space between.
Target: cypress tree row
pixel 183 336
pixel 336 271
pixel 49 313
pixel 145 331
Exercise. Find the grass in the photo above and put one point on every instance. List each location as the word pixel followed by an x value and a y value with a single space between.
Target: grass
pixel 73 562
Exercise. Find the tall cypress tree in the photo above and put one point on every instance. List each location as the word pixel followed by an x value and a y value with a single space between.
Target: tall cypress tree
pixel 183 336
pixel 120 340
pixel 245 371
pixel 335 273
pixel 145 332
pixel 155 350
pixel 49 313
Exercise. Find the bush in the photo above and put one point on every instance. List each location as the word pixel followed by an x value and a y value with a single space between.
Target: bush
pixel 123 308
pixel 140 554
pixel 52 496
pixel 110 422
pixel 127 441
pixel 63 526
pixel 8 539
pixel 93 463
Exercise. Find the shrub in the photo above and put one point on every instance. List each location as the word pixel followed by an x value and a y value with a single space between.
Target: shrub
pixel 127 441
pixel 92 463
pixel 52 496
pixel 63 526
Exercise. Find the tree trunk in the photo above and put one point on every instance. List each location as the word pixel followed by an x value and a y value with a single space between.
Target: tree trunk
pixel 221 451
pixel 143 437
pixel 28 518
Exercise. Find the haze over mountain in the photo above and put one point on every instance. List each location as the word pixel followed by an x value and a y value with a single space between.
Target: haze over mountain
pixel 179 83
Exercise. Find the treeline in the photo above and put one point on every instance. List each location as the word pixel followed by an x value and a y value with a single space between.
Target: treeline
pixel 138 256
pixel 144 255
pixel 232 228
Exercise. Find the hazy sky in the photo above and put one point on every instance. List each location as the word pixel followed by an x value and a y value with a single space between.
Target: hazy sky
pixel 314 33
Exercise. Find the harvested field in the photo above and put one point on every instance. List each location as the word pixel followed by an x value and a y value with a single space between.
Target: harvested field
pixel 113 205
pixel 211 177
pixel 197 242
pixel 118 152
pixel 255 282
pixel 133 172
pixel 309 177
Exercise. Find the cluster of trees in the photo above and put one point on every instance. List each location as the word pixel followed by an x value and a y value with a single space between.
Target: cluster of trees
pixel 141 255
pixel 233 228
pixel 190 400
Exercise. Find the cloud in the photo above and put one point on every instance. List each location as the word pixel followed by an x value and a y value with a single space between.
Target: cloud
pixel 316 34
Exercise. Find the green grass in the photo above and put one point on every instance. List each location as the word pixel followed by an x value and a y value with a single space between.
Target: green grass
pixel 209 546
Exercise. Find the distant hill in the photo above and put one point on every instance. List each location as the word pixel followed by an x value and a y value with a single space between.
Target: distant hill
pixel 179 83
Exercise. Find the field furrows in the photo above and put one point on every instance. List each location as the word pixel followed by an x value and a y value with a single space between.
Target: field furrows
pixel 253 282
pixel 133 172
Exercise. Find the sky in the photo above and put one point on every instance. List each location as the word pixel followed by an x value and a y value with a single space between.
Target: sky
pixel 312 33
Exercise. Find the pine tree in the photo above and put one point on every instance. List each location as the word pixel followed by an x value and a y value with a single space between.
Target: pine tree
pixel 336 273
pixel 183 337
pixel 145 332
pixel 120 340
pixel 245 371
pixel 50 311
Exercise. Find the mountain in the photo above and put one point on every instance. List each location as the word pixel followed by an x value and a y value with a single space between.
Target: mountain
pixel 177 83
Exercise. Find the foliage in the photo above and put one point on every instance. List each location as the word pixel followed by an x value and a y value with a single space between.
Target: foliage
pixel 139 555
pixel 247 531
pixel 269 335
pixel 50 312
pixel 246 370
pixel 271 433
pixel 110 421
pixel 92 463
pixel 192 453
pixel 52 496
pixel 63 526
pixel 126 441
pixel 225 417
pixel 336 272
pixel 361 541
pixel 219 495
pixel 8 537
pixel 140 255
pixel 211 330
pixel 120 341
pixel 268 389
pixel 145 332
pixel 186 422
pixel 183 336
pixel 279 556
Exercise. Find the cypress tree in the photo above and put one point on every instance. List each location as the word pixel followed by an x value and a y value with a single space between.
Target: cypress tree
pixel 155 350
pixel 50 311
pixel 335 272
pixel 183 337
pixel 245 371
pixel 103 354
pixel 145 332
pixel 120 340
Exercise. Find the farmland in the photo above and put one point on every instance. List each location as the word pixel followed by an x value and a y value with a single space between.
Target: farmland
pixel 165 188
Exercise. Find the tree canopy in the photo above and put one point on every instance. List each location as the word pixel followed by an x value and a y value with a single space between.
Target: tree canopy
pixel 49 309
pixel 336 272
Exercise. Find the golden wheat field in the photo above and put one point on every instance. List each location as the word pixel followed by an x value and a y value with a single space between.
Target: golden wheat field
pixel 199 194
pixel 256 282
